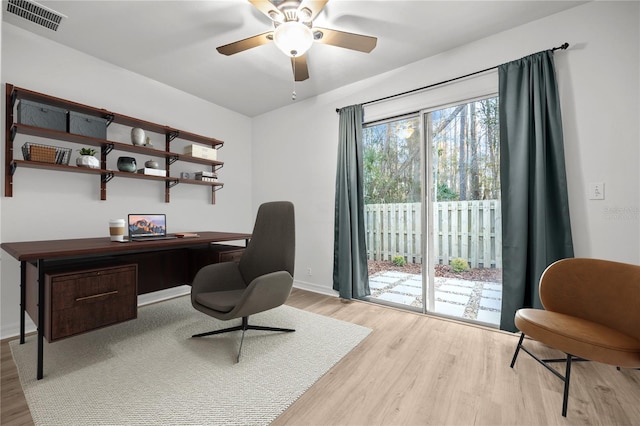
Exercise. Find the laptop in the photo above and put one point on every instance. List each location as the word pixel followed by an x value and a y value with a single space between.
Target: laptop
pixel 148 227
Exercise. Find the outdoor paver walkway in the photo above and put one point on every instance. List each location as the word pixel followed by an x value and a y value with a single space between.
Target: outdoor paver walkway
pixel 474 300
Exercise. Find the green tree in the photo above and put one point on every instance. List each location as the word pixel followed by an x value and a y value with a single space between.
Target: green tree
pixel 391 162
pixel 465 141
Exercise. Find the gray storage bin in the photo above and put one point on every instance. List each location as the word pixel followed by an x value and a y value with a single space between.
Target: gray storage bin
pixel 87 125
pixel 41 115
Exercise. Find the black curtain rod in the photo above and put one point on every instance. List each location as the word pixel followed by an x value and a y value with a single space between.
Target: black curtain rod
pixel 562 47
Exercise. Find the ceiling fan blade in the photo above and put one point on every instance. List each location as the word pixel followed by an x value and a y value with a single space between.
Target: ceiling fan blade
pixel 315 6
pixel 247 43
pixel 300 69
pixel 267 8
pixel 343 39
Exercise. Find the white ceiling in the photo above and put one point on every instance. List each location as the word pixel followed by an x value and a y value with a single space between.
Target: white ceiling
pixel 175 42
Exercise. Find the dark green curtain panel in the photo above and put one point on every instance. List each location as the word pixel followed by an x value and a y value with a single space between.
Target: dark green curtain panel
pixel 350 276
pixel 536 230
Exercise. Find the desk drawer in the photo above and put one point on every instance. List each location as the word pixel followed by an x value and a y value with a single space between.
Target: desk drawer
pixel 211 253
pixel 85 300
pixel 231 255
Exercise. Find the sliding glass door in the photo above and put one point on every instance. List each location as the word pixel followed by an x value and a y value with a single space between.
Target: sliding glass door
pixel 438 250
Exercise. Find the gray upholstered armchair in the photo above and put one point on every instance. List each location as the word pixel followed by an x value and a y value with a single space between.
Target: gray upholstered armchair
pixel 262 280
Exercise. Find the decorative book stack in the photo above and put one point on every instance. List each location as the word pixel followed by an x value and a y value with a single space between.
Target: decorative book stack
pixel 200 151
pixel 206 176
pixel 153 172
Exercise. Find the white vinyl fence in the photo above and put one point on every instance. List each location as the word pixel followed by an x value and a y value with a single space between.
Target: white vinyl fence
pixel 471 230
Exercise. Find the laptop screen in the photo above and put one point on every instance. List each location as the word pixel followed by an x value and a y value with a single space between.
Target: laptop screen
pixel 147 225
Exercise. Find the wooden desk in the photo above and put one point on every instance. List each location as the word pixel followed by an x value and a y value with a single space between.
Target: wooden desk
pixel 161 264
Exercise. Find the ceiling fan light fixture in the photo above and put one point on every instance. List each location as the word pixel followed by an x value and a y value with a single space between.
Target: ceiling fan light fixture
pixel 304 15
pixel 275 16
pixel 293 38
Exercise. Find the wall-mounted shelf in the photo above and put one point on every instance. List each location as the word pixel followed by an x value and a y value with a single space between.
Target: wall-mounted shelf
pixel 13 94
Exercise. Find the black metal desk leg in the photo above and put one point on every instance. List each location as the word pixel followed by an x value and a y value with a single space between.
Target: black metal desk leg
pixel 23 297
pixel 40 318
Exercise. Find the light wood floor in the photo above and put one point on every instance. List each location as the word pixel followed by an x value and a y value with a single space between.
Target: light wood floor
pixel 417 370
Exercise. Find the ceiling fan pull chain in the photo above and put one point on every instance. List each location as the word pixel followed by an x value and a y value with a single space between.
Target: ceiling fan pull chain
pixel 294 95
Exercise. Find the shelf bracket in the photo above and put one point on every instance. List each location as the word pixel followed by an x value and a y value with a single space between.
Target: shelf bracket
pixel 106 177
pixel 173 134
pixel 218 187
pixel 172 183
pixel 12 168
pixel 14 130
pixel 106 149
pixel 217 167
pixel 109 118
pixel 172 159
pixel 14 96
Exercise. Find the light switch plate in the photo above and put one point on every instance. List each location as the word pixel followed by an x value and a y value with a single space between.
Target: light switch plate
pixel 596 191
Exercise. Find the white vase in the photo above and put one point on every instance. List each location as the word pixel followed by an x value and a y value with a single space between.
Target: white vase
pixel 88 161
pixel 137 136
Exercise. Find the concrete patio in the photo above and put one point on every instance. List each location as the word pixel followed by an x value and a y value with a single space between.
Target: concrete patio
pixel 474 300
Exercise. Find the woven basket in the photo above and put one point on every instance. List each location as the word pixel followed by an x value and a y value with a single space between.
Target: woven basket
pixel 46 153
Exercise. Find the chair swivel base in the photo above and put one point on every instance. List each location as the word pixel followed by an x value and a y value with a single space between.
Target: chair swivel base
pixel 243 327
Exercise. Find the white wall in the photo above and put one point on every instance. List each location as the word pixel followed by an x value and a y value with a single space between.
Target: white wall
pixel 295 148
pixel 51 205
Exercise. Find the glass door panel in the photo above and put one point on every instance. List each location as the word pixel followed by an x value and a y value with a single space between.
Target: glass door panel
pixel 392 178
pixel 465 246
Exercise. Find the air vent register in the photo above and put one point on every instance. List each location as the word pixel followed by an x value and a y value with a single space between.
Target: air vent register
pixel 35 13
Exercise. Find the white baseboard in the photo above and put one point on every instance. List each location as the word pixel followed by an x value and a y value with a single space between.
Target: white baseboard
pixel 315 288
pixel 160 295
pixel 13 329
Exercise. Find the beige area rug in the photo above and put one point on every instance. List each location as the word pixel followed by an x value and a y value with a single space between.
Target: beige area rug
pixel 150 371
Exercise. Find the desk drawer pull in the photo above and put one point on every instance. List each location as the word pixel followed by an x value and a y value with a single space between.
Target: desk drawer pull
pixel 79 299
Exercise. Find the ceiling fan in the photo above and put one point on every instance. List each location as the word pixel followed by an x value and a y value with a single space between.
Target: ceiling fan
pixel 293 32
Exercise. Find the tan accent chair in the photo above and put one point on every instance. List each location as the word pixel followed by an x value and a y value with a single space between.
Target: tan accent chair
pixel 262 280
pixel 591 313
